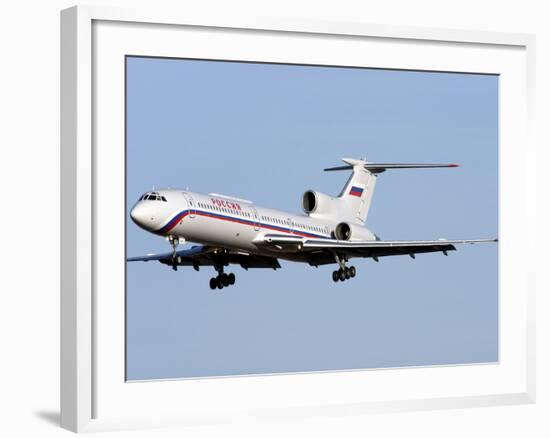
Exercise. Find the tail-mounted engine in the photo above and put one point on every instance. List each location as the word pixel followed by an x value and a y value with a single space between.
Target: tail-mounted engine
pixel 318 203
pixel 347 231
pixel 343 231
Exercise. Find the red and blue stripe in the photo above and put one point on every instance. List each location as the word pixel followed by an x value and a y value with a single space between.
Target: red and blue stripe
pixel 173 222
pixel 180 216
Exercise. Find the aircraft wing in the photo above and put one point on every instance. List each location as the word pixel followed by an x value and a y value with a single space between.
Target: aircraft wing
pixel 201 255
pixel 321 251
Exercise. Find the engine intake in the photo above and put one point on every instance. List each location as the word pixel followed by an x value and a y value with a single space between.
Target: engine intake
pixel 347 231
pixel 343 231
pixel 318 203
pixel 309 201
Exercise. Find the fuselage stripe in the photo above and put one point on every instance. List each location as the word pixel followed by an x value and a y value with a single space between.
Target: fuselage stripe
pixel 176 219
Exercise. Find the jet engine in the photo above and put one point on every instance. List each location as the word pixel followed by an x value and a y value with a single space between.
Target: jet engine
pixel 318 203
pixel 345 231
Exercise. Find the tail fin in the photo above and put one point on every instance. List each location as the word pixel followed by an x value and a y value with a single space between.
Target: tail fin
pixel 356 196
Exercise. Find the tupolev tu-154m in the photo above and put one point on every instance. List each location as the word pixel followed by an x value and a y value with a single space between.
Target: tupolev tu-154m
pixel 231 230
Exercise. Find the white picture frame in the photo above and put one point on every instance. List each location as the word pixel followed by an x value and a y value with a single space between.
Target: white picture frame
pixel 94 395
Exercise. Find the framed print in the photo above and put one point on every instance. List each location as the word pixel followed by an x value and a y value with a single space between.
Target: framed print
pixel 211 271
pixel 264 332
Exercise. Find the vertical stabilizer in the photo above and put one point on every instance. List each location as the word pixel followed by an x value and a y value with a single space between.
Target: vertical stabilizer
pixel 356 196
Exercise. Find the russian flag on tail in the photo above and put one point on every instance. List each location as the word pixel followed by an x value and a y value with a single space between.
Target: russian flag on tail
pixel 356 191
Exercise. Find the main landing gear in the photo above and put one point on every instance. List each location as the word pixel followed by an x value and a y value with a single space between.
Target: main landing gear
pixel 222 280
pixel 344 273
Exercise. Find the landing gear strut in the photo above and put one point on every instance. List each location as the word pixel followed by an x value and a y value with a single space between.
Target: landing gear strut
pixel 222 280
pixel 174 241
pixel 344 273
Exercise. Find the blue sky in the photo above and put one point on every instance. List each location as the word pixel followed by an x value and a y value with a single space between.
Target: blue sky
pixel 265 132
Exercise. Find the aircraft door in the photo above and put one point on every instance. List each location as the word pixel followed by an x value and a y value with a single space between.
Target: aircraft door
pixel 255 218
pixel 190 203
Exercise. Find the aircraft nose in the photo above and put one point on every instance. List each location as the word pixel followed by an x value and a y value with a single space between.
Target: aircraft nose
pixel 142 215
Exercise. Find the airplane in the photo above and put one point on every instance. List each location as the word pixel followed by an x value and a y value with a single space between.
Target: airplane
pixel 235 231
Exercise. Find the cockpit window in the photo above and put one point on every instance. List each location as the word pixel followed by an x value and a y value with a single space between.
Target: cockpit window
pixel 152 196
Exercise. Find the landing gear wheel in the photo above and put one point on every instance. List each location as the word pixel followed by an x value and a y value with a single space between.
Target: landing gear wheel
pixel 347 273
pixel 352 271
pixel 219 283
pixel 213 283
pixel 225 279
pixel 231 278
pixel 341 274
pixel 335 276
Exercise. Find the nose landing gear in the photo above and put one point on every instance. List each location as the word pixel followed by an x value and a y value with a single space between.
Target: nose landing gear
pixel 174 242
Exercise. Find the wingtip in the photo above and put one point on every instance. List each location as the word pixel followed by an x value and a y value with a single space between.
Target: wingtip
pixel 453 165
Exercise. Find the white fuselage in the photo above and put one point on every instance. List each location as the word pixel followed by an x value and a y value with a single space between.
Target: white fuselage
pixel 225 222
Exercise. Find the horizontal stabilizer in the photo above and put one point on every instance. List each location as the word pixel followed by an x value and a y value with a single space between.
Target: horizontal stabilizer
pixel 381 167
